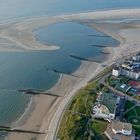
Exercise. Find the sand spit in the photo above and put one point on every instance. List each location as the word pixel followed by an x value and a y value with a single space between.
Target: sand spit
pixel 21 32
pixel 23 37
pixel 107 14
pixel 48 110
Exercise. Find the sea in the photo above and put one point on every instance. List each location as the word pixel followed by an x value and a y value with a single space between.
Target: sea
pixel 28 70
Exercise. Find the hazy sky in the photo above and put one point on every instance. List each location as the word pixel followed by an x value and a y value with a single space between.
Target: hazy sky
pixel 20 8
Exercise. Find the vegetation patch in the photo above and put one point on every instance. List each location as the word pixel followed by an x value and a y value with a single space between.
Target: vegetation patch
pixel 134 120
pixel 129 114
pixel 77 122
pixel 137 129
pixel 129 104
pixel 133 116
pixel 99 126
pixel 137 108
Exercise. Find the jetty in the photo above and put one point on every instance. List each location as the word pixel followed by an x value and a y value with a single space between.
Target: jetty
pixel 99 36
pixel 83 59
pixel 99 46
pixel 33 92
pixel 61 72
pixel 9 129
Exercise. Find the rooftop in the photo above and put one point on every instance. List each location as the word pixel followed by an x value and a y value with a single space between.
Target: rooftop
pixel 123 87
pixel 118 126
pixel 109 100
pixel 121 126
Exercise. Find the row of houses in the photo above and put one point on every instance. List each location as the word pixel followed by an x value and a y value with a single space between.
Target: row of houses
pixel 108 104
pixel 130 68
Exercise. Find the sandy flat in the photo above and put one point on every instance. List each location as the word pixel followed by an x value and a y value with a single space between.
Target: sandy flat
pixel 21 32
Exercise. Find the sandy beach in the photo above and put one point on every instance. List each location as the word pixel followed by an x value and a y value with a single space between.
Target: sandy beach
pixel 47 111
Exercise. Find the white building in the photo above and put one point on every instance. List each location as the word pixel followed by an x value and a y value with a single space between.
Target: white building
pixel 105 107
pixel 119 131
pixel 136 58
pixel 133 74
pixel 122 128
pixel 116 71
pixel 102 112
pixel 130 72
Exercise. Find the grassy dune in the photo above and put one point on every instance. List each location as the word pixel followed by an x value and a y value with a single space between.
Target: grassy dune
pixel 77 123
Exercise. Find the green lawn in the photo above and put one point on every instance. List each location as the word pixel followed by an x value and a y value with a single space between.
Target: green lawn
pixel 137 129
pixel 137 108
pixel 128 114
pixel 124 79
pixel 99 126
pixel 134 120
pixel 113 81
pixel 133 116
pixel 128 104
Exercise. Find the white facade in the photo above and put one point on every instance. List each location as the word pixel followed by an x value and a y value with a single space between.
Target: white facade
pixel 122 131
pixel 131 74
pixel 119 131
pixel 136 58
pixel 103 113
pixel 116 72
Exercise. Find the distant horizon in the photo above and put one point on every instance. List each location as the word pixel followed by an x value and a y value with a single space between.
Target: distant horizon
pixel 14 9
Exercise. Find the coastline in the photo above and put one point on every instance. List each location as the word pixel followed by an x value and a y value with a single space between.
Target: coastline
pixel 21 120
pixel 52 114
pixel 122 50
pixel 85 69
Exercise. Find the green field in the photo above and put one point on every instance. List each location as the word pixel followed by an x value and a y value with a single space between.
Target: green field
pixel 113 81
pixel 96 126
pixel 128 104
pixel 133 116
pixel 137 108
pixel 134 120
